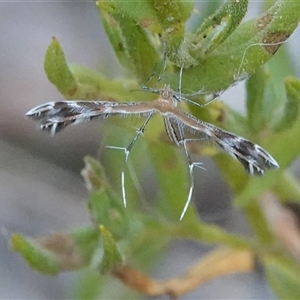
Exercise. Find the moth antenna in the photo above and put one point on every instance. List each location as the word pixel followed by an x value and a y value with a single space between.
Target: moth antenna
pixel 238 76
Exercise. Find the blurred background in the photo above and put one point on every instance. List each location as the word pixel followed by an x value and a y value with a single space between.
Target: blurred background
pixel 41 189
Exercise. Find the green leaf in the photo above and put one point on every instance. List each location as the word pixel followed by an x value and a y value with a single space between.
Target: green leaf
pixel 283 276
pixel 88 285
pixel 164 17
pixel 251 45
pixel 195 229
pixel 104 206
pixel 93 174
pixel 279 68
pixel 36 257
pixel 143 13
pixel 94 85
pixel 255 187
pixel 173 15
pixel 125 23
pixel 58 71
pixel 109 211
pixel 58 252
pixel 129 40
pixel 291 109
pixel 112 257
pixel 86 241
pixel 288 188
pixel 77 82
pixel 217 27
pixel 256 110
pixel 258 223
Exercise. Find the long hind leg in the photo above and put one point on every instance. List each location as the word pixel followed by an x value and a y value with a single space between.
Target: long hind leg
pixel 179 139
pixel 127 150
pixel 175 131
pixel 192 165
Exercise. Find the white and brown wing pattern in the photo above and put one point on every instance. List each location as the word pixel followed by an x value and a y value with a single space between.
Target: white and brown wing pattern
pixel 54 116
pixel 254 158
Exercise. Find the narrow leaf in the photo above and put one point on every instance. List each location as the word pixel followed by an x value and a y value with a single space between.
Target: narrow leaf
pixel 36 257
pixel 257 116
pixel 58 71
pixel 283 276
pixel 291 109
pixel 104 206
pixel 77 82
pixel 129 40
pixel 112 258
pixel 173 15
pixel 217 27
pixel 251 45
pixel 58 252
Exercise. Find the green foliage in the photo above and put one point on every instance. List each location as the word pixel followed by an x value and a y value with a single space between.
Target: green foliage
pixel 37 258
pixel 283 276
pixel 58 252
pixel 112 257
pixel 104 206
pixel 291 108
pixel 216 54
pixel 218 26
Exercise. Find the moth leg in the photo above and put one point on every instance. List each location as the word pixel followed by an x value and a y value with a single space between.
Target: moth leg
pixel 164 65
pixel 183 96
pixel 212 95
pixel 175 132
pixel 155 90
pixel 192 165
pixel 180 81
pixel 127 150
